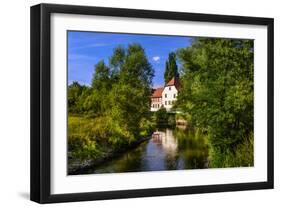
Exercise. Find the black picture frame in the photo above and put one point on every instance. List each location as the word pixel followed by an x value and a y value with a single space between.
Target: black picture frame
pixel 41 95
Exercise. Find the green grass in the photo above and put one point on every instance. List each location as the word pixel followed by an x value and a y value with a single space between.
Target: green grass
pixel 241 156
pixel 96 138
pixel 82 138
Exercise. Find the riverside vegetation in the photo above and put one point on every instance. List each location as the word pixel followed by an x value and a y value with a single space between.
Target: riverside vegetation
pixel 217 97
pixel 113 114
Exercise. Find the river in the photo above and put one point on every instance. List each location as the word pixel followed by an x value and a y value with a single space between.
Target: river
pixel 168 149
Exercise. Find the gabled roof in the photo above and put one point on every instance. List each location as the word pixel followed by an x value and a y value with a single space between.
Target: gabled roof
pixel 174 82
pixel 157 93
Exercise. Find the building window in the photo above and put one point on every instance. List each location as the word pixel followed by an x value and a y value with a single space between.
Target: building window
pixel 157 105
pixel 174 95
pixel 165 95
pixel 173 102
pixel 169 88
pixel 169 102
pixel 165 102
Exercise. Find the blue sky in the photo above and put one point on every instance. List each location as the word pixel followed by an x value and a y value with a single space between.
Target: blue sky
pixel 85 49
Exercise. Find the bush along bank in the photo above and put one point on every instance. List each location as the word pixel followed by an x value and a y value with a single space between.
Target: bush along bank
pixel 91 142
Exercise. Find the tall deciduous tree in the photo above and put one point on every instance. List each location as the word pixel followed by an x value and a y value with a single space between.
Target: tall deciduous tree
pixel 74 92
pixel 120 91
pixel 131 94
pixel 217 91
pixel 101 76
pixel 117 60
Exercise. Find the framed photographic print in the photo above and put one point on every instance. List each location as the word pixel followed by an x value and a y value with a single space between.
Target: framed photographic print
pixel 132 103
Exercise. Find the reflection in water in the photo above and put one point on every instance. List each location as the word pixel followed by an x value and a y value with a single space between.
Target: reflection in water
pixel 167 150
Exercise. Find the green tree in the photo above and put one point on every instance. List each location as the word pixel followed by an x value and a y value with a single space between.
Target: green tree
pixel 115 108
pixel 217 92
pixel 117 60
pixel 171 69
pixel 161 116
pixel 101 77
pixel 131 94
pixel 94 101
pixel 74 93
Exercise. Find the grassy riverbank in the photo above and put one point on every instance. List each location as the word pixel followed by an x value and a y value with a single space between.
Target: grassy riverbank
pixel 92 141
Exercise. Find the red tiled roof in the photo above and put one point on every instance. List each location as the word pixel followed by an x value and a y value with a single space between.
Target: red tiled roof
pixel 156 93
pixel 174 82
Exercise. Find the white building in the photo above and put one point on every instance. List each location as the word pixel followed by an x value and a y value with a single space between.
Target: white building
pixel 165 96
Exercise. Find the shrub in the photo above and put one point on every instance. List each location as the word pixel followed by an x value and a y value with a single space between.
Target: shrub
pixel 161 116
pixel 241 156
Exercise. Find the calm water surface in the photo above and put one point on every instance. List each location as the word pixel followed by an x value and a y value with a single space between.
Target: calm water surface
pixel 168 149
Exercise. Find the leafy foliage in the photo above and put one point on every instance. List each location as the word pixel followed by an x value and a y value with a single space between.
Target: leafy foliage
pixel 116 105
pixel 75 93
pixel 161 117
pixel 217 91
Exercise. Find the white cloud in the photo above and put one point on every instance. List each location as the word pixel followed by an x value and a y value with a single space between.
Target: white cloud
pixel 156 58
pixel 90 46
pixel 98 45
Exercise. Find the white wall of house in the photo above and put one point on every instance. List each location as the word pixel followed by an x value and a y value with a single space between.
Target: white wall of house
pixel 156 104
pixel 169 96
